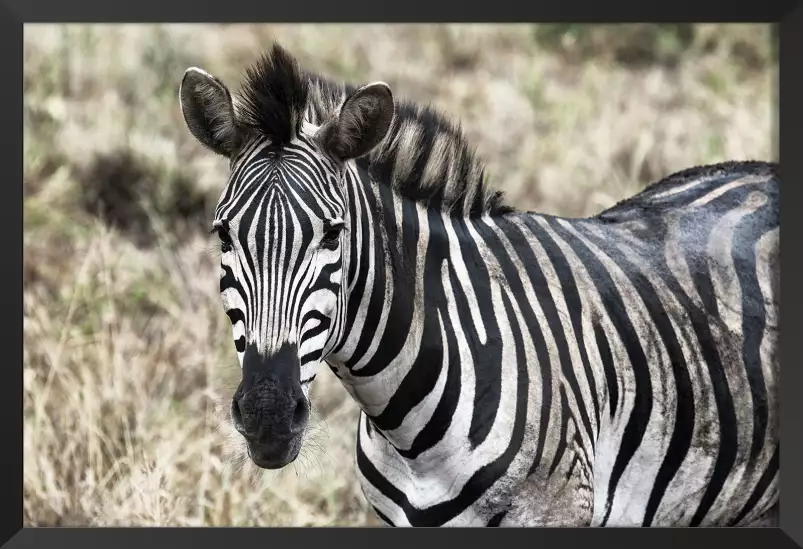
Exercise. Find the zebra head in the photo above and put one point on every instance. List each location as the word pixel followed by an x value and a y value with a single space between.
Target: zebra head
pixel 281 219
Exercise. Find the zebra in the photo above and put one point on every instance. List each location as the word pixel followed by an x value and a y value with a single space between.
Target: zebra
pixel 511 368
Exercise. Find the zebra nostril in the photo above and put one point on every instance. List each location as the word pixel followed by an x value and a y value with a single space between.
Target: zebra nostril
pixel 301 413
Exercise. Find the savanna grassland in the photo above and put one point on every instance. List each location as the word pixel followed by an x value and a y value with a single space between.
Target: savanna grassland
pixel 128 358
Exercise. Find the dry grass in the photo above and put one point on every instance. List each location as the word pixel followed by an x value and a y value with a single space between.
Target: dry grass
pixel 128 358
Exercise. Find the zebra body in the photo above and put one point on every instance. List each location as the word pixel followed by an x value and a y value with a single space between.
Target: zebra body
pixel 626 380
pixel 512 368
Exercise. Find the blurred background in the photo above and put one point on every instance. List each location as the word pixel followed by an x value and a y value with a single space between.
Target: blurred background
pixel 128 358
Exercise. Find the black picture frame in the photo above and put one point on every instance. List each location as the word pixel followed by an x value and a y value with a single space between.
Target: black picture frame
pixel 14 14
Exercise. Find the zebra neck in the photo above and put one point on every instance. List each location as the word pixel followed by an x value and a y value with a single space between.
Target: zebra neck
pixel 425 315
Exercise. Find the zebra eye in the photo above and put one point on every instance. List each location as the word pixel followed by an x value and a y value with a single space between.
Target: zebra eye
pixel 226 244
pixel 331 237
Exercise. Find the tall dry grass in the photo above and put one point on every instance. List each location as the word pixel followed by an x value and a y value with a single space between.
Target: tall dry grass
pixel 128 360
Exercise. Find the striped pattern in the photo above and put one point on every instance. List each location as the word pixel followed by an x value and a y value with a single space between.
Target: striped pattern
pixel 528 369
pixel 276 288
pixel 514 368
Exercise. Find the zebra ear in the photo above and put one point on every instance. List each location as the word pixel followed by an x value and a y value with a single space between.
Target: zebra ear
pixel 208 111
pixel 362 123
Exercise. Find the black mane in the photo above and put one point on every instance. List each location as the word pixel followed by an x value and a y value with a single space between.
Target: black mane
pixel 274 96
pixel 424 156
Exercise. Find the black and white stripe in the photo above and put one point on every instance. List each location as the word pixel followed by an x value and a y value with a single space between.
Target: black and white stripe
pixel 276 288
pixel 513 368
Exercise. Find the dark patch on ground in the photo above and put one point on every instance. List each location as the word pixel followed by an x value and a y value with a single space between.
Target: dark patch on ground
pixel 127 192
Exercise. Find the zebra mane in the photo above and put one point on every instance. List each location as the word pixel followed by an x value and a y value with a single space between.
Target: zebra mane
pixel 424 157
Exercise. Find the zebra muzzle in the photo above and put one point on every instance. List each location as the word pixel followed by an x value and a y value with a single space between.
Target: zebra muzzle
pixel 269 408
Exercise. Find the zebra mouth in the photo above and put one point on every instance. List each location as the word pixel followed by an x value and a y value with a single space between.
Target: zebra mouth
pixel 274 455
